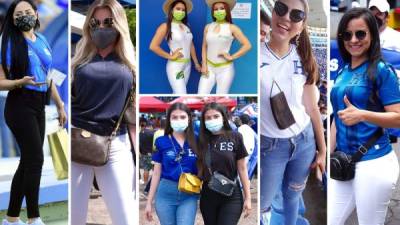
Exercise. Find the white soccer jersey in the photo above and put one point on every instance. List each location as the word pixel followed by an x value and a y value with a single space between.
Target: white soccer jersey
pixel 290 76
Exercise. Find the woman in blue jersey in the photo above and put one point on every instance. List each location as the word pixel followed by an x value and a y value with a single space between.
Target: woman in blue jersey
pixel 365 99
pixel 175 154
pixel 25 61
pixel 287 152
pixel 179 38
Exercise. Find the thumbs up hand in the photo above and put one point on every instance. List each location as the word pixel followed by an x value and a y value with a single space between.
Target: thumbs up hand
pixel 351 115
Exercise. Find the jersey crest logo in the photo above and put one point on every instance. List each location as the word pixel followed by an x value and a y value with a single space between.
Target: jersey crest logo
pixel 297 67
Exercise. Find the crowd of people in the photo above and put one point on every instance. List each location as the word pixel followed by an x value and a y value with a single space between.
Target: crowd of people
pixel 157 173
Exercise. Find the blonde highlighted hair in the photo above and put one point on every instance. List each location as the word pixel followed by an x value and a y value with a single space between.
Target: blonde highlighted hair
pixel 86 50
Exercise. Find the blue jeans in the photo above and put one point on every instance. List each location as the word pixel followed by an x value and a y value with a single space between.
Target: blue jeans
pixel 285 164
pixel 174 207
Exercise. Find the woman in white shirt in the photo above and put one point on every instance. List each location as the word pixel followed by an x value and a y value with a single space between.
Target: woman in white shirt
pixel 217 62
pixel 287 152
pixel 179 37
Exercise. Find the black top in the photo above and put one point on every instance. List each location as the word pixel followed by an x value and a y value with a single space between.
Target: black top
pixel 146 141
pixel 226 150
pixel 99 91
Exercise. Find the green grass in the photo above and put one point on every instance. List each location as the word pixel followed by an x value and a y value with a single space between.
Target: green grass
pixel 52 214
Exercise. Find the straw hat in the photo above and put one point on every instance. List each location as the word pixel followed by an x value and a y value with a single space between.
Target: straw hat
pixel 168 3
pixel 231 3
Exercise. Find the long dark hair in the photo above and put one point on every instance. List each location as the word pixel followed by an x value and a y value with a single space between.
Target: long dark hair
pixel 304 49
pixel 170 16
pixel 189 133
pixel 374 50
pixel 227 9
pixel 12 37
pixel 205 135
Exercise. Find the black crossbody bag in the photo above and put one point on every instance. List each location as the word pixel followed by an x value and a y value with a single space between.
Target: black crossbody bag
pixel 343 165
pixel 218 182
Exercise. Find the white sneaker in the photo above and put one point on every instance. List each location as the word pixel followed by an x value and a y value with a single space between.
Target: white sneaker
pixel 37 221
pixel 19 222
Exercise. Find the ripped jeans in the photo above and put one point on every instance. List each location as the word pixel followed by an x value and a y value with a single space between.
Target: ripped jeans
pixel 285 164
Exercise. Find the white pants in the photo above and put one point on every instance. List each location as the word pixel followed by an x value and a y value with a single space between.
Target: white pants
pixel 370 192
pixel 116 183
pixel 178 84
pixel 223 76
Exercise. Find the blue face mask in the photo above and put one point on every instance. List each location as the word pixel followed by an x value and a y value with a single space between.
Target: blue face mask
pixel 179 125
pixel 214 125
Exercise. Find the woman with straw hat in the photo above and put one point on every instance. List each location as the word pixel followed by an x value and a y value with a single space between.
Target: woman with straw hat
pixel 217 62
pixel 179 37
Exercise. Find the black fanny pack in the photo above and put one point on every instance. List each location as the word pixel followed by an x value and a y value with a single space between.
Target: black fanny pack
pixel 343 165
pixel 280 109
pixel 221 184
pixel 218 182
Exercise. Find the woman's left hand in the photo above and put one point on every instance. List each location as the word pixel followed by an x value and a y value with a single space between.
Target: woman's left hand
pixel 351 115
pixel 62 116
pixel 320 161
pixel 226 56
pixel 197 67
pixel 247 207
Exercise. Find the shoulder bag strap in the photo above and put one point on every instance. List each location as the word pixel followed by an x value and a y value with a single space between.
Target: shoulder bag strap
pixel 176 152
pixel 363 149
pixel 121 116
pixel 208 159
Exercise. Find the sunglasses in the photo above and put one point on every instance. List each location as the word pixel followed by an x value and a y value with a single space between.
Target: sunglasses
pixel 95 23
pixel 295 15
pixel 348 35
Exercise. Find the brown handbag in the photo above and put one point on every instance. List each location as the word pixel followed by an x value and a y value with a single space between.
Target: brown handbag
pixel 92 149
pixel 280 109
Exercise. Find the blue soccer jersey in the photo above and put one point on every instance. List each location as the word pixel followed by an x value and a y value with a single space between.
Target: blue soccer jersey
pixel 40 60
pixel 174 160
pixel 357 86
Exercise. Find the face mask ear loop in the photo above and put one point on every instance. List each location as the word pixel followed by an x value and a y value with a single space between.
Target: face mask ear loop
pixel 272 87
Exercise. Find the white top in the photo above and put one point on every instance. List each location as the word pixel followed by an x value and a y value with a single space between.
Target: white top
pixel 290 76
pixel 218 43
pixel 390 39
pixel 180 38
pixel 248 137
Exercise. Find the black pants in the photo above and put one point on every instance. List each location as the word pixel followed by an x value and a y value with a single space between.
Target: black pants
pixel 217 209
pixel 25 116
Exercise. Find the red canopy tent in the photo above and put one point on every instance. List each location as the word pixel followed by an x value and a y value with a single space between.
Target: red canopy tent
pixel 199 102
pixel 191 102
pixel 228 102
pixel 151 104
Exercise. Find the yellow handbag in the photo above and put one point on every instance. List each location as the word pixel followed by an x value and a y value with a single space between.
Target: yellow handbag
pixel 58 144
pixel 189 183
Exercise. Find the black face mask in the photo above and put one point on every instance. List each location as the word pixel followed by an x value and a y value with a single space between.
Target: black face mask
pixel 103 37
pixel 379 21
pixel 26 22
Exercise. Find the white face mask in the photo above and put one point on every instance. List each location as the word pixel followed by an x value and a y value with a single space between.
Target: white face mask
pixel 214 125
pixel 179 125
